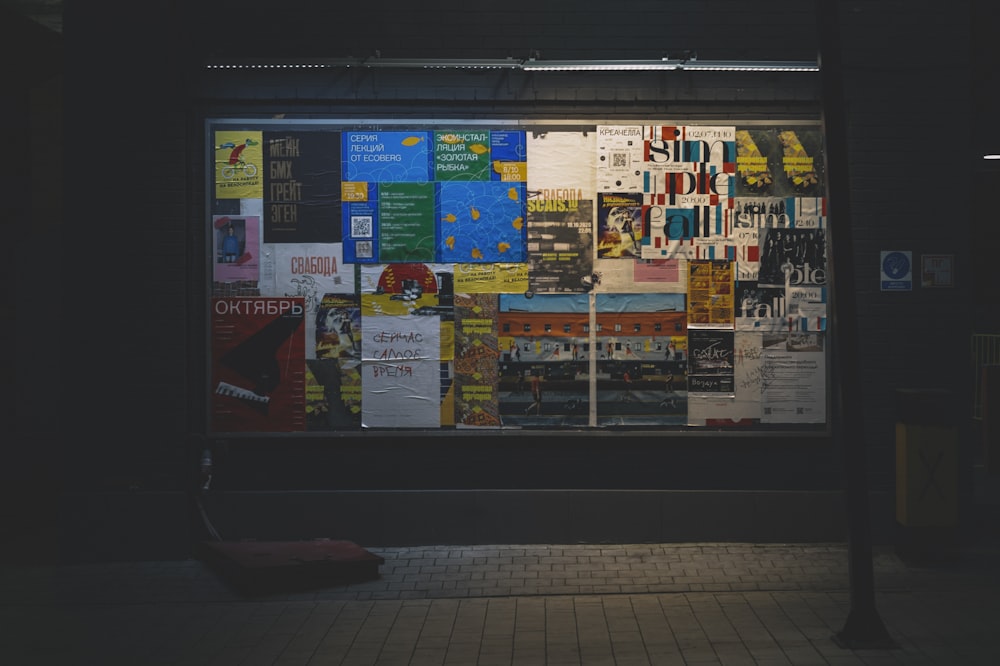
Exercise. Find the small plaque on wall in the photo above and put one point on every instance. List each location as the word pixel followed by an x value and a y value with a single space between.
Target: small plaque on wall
pixel 897 270
pixel 937 270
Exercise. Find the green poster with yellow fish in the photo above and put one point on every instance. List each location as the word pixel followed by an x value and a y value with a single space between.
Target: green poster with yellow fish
pixel 462 155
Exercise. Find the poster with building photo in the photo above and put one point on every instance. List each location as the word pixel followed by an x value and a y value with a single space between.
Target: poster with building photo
pixel 543 363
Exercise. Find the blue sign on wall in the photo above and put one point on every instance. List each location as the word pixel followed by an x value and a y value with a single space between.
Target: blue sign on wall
pixel 897 270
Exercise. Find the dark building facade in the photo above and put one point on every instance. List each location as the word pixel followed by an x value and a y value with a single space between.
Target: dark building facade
pixel 130 410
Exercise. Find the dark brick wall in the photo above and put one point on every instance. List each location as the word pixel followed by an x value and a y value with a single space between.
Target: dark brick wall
pixel 908 117
pixel 455 28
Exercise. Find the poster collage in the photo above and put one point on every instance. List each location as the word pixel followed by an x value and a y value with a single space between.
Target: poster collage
pixel 516 276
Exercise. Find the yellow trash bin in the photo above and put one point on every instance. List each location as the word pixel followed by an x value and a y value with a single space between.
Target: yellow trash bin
pixel 926 475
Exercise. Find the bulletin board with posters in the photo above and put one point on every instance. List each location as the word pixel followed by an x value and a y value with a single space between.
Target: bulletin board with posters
pixel 515 275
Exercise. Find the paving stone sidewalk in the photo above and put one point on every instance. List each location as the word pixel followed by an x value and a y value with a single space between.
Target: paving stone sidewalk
pixel 702 603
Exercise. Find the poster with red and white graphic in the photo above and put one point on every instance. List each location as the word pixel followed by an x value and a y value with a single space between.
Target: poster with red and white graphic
pixel 310 271
pixel 688 192
pixel 258 365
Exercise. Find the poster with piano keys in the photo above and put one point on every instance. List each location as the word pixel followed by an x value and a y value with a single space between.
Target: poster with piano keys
pixel 258 364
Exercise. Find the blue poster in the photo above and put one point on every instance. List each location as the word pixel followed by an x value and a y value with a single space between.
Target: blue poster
pixel 482 222
pixel 382 157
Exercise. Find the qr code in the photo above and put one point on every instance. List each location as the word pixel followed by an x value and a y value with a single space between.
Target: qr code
pixel 361 226
pixel 363 250
pixel 619 159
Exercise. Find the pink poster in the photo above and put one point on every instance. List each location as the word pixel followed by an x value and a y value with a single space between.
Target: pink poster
pixel 236 247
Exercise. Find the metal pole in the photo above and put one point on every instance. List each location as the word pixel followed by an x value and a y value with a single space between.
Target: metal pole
pixel 863 628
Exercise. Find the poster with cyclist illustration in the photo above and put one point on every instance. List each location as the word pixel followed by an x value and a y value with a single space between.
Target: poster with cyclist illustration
pixel 238 156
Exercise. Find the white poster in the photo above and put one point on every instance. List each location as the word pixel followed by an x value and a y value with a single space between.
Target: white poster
pixel 619 158
pixel 401 371
pixel 793 378
pixel 559 165
pixel 309 270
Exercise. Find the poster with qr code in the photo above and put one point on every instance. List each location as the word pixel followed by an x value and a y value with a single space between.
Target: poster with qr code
pixel 619 158
pixel 360 221
pixel 362 226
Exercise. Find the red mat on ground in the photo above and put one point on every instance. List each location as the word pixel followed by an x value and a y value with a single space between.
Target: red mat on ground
pixel 270 566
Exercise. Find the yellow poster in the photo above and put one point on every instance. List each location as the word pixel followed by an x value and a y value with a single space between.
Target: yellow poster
pixel 239 157
pixel 710 293
pixel 499 278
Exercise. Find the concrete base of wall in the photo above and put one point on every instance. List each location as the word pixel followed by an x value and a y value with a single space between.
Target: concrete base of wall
pixel 163 526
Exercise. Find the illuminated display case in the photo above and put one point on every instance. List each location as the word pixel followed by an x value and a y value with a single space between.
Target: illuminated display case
pixel 506 274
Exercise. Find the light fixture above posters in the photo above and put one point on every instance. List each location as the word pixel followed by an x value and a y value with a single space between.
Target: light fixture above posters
pixel 525 65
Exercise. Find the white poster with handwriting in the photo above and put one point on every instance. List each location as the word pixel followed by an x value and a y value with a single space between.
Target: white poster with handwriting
pixel 401 371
